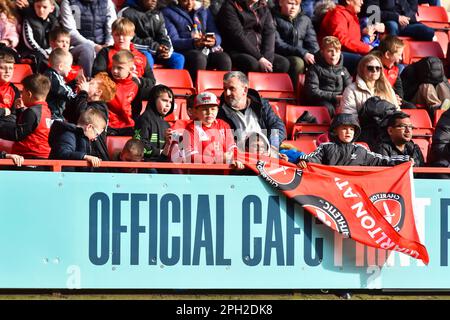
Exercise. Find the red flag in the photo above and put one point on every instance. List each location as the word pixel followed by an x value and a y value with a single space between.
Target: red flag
pixel 374 208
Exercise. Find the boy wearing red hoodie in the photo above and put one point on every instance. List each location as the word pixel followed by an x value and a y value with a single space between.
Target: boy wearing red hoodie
pixel 8 92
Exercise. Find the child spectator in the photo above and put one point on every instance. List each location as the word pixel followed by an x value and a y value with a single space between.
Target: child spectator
pixel 93 95
pixel 8 91
pixel 126 105
pixel 341 151
pixel 398 139
pixel 326 80
pixel 9 35
pixel 33 122
pixel 295 37
pixel 150 127
pixel 37 23
pixel 123 32
pixel 151 35
pixel 133 151
pixel 18 160
pixel 60 64
pixel 72 142
pixel 205 139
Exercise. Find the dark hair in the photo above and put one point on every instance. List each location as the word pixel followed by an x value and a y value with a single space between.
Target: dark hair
pixel 190 101
pixel 90 116
pixel 56 32
pixel 135 147
pixel 397 115
pixel 390 44
pixel 342 2
pixel 38 85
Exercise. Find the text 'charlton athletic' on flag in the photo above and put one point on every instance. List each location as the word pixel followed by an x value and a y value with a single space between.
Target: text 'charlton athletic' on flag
pixel 352 203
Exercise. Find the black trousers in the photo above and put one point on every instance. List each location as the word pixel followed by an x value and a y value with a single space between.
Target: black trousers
pixel 196 60
pixel 247 63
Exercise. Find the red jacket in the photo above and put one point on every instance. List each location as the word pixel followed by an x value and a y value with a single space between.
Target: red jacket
pixel 34 144
pixel 8 94
pixel 391 74
pixel 140 61
pixel 120 108
pixel 344 25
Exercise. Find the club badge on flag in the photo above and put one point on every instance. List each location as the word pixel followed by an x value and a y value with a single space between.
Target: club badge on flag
pixel 374 208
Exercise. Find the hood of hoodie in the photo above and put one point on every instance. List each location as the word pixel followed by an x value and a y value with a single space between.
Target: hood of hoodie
pixel 60 127
pixel 344 119
pixel 152 100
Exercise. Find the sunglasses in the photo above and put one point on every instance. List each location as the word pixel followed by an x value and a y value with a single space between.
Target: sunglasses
pixel 373 68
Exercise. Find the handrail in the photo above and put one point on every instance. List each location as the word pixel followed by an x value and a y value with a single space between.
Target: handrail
pixel 57 165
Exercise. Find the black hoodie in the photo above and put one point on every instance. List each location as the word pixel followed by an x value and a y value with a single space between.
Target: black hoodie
pixel 151 126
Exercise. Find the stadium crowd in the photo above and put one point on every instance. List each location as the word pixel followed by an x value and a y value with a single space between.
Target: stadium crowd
pixel 96 73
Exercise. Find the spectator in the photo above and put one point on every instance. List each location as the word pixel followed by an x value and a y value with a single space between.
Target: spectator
pixel 38 21
pixel 89 23
pixel 72 142
pixel 295 37
pixel 33 122
pixel 93 95
pixel 343 23
pixel 194 34
pixel 126 105
pixel 246 112
pixel 370 81
pixel 8 95
pixel 206 139
pixel 123 32
pixel 399 17
pixel 326 80
pixel 133 151
pixel 249 36
pixel 9 35
pixel 308 7
pixel 439 155
pixel 150 127
pixel 151 36
pixel 398 139
pixel 60 64
pixel 342 151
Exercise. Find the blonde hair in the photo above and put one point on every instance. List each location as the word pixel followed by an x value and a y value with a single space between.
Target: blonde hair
pixel 107 85
pixel 383 88
pixel 58 55
pixel 123 26
pixel 123 56
pixel 330 41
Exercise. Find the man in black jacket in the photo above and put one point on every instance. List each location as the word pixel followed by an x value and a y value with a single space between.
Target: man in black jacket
pixel 246 112
pixel 151 36
pixel 440 147
pixel 398 140
pixel 249 36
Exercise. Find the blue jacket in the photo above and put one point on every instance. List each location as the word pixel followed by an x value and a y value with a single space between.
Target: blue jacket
pixel 179 26
pixel 67 141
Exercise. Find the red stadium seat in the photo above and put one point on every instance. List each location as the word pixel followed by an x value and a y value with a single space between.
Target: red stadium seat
pixel 416 50
pixel 273 86
pixel 432 16
pixel 279 107
pixel 178 80
pixel 437 116
pixel 115 144
pixel 21 71
pixel 307 144
pixel 421 121
pixel 6 145
pixel 293 112
pixel 300 88
pixel 211 81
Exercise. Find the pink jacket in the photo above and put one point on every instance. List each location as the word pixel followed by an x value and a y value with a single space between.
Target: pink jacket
pixel 8 31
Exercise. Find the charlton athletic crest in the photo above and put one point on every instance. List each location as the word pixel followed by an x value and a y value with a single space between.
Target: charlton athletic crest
pixel 392 206
pixel 281 177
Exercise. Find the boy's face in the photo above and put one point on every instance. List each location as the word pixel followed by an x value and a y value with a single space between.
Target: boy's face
pixel 121 70
pixel 122 41
pixel 187 5
pixel 163 103
pixel 65 66
pixel 345 133
pixel 43 8
pixel 331 55
pixel 6 72
pixel 206 114
pixel 148 4
pixel 94 88
pixel 126 155
pixel 395 57
pixel 290 8
pixel 93 130
pixel 62 42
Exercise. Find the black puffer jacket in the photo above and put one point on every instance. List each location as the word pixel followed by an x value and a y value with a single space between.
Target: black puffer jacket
pixel 151 126
pixel 247 31
pixel 67 141
pixel 392 9
pixel 150 28
pixel 296 37
pixel 324 81
pixel 267 118
pixel 337 153
pixel 387 148
pixel 440 147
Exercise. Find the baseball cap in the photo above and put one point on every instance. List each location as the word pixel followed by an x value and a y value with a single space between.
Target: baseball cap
pixel 206 99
